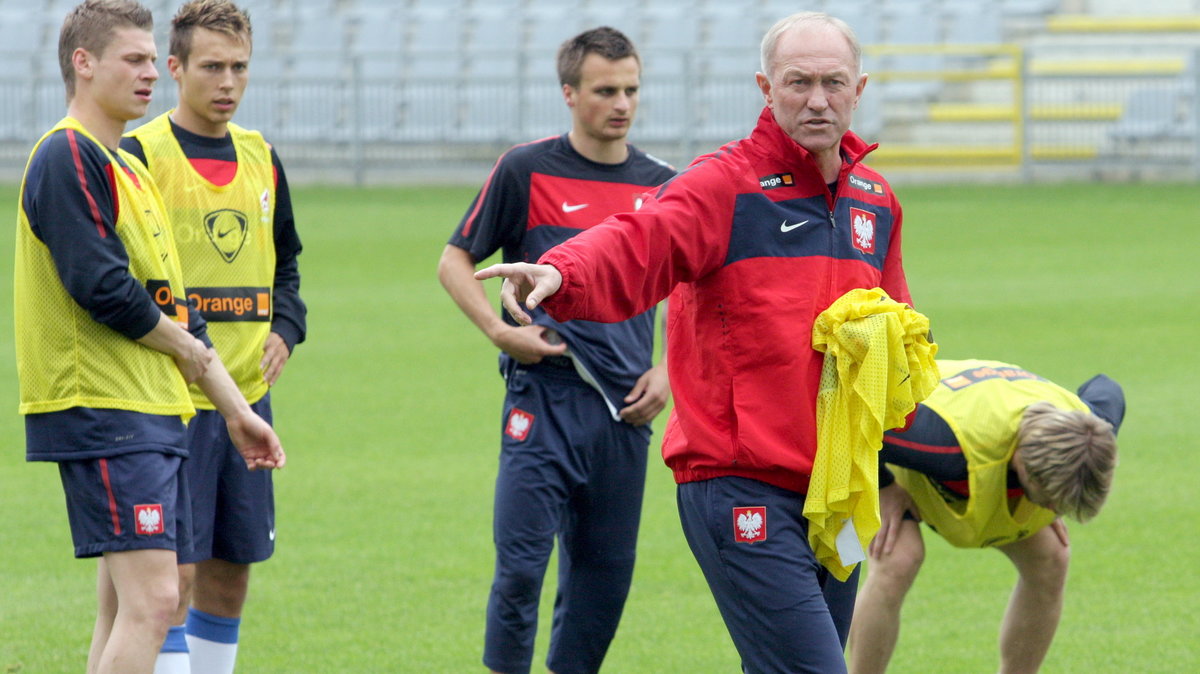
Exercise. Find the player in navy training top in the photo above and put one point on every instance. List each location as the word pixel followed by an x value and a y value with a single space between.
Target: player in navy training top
pixel 580 394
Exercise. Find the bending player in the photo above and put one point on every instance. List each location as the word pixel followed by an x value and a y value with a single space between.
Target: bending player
pixel 992 458
pixel 231 214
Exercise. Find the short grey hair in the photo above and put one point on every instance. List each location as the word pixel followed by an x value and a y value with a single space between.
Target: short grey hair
pixel 816 18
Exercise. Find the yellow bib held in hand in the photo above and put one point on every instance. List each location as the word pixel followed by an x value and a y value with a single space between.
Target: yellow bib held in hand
pixel 879 363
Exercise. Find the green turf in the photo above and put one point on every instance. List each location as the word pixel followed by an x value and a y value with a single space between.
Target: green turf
pixel 390 414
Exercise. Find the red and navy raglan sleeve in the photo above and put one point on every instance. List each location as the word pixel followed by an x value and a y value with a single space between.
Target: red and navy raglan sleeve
pixel 290 313
pixel 632 261
pixel 926 445
pixel 497 216
pixel 134 147
pixel 71 202
pixel 894 281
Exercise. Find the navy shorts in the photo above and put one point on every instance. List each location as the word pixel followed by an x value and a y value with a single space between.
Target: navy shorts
pixel 785 612
pixel 133 501
pixel 233 508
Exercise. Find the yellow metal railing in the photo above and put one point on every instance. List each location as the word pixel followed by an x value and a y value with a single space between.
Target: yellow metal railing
pixel 980 62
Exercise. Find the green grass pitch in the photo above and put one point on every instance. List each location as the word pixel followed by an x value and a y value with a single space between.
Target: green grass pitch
pixel 391 414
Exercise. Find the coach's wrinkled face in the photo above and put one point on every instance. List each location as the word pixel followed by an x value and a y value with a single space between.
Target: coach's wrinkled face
pixel 604 104
pixel 813 87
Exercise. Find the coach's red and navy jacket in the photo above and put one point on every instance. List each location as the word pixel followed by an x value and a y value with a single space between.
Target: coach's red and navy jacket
pixel 752 246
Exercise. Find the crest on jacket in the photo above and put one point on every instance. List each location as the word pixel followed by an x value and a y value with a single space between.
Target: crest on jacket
pixel 862 230
pixel 226 230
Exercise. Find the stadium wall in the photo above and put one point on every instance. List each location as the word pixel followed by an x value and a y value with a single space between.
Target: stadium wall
pixel 366 91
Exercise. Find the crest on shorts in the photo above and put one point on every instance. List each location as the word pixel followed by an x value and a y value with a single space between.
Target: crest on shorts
pixel 519 423
pixel 226 230
pixel 750 524
pixel 148 519
pixel 862 230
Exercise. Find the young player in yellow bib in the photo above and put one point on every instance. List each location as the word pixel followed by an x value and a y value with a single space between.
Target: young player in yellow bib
pixel 106 342
pixel 231 212
pixel 992 458
pixel 231 216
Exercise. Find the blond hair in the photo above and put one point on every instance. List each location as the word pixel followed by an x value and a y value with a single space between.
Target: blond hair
pixel 1069 456
pixel 814 18
pixel 221 16
pixel 91 27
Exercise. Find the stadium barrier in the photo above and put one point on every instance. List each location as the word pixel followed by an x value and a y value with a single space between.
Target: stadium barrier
pixel 947 107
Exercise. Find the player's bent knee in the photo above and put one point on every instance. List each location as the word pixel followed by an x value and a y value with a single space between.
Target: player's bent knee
pixel 901 567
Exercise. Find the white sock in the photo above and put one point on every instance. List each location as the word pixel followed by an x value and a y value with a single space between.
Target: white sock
pixel 173 658
pixel 212 641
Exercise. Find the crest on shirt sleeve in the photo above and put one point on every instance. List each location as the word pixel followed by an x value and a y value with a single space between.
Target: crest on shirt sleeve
pixel 862 230
pixel 750 524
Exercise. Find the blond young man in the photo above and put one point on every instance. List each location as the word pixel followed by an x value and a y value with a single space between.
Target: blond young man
pixel 231 214
pixel 103 354
pixel 991 459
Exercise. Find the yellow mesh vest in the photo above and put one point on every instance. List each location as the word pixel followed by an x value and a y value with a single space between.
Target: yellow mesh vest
pixel 64 358
pixel 226 240
pixel 878 365
pixel 983 401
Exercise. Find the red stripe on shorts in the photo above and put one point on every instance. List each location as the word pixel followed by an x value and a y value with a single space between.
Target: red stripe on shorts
pixel 112 500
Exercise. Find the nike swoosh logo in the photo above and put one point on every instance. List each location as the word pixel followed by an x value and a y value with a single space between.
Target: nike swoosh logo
pixel 222 235
pixel 568 208
pixel 785 227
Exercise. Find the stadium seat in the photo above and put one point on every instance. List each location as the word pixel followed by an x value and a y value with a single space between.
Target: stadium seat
pixel 547 28
pixel 863 17
pixel 628 21
pixel 377 32
pixel 973 25
pixel 433 65
pixel 316 32
pixel 328 66
pixel 670 27
pixel 912 27
pixel 1029 7
pixel 1154 113
pixel 731 28
pixel 17 109
pixel 665 109
pixel 313 112
pixel 429 113
pixel 495 32
pixel 435 29
pixel 490 113
pixel 260 107
pixel 265 66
